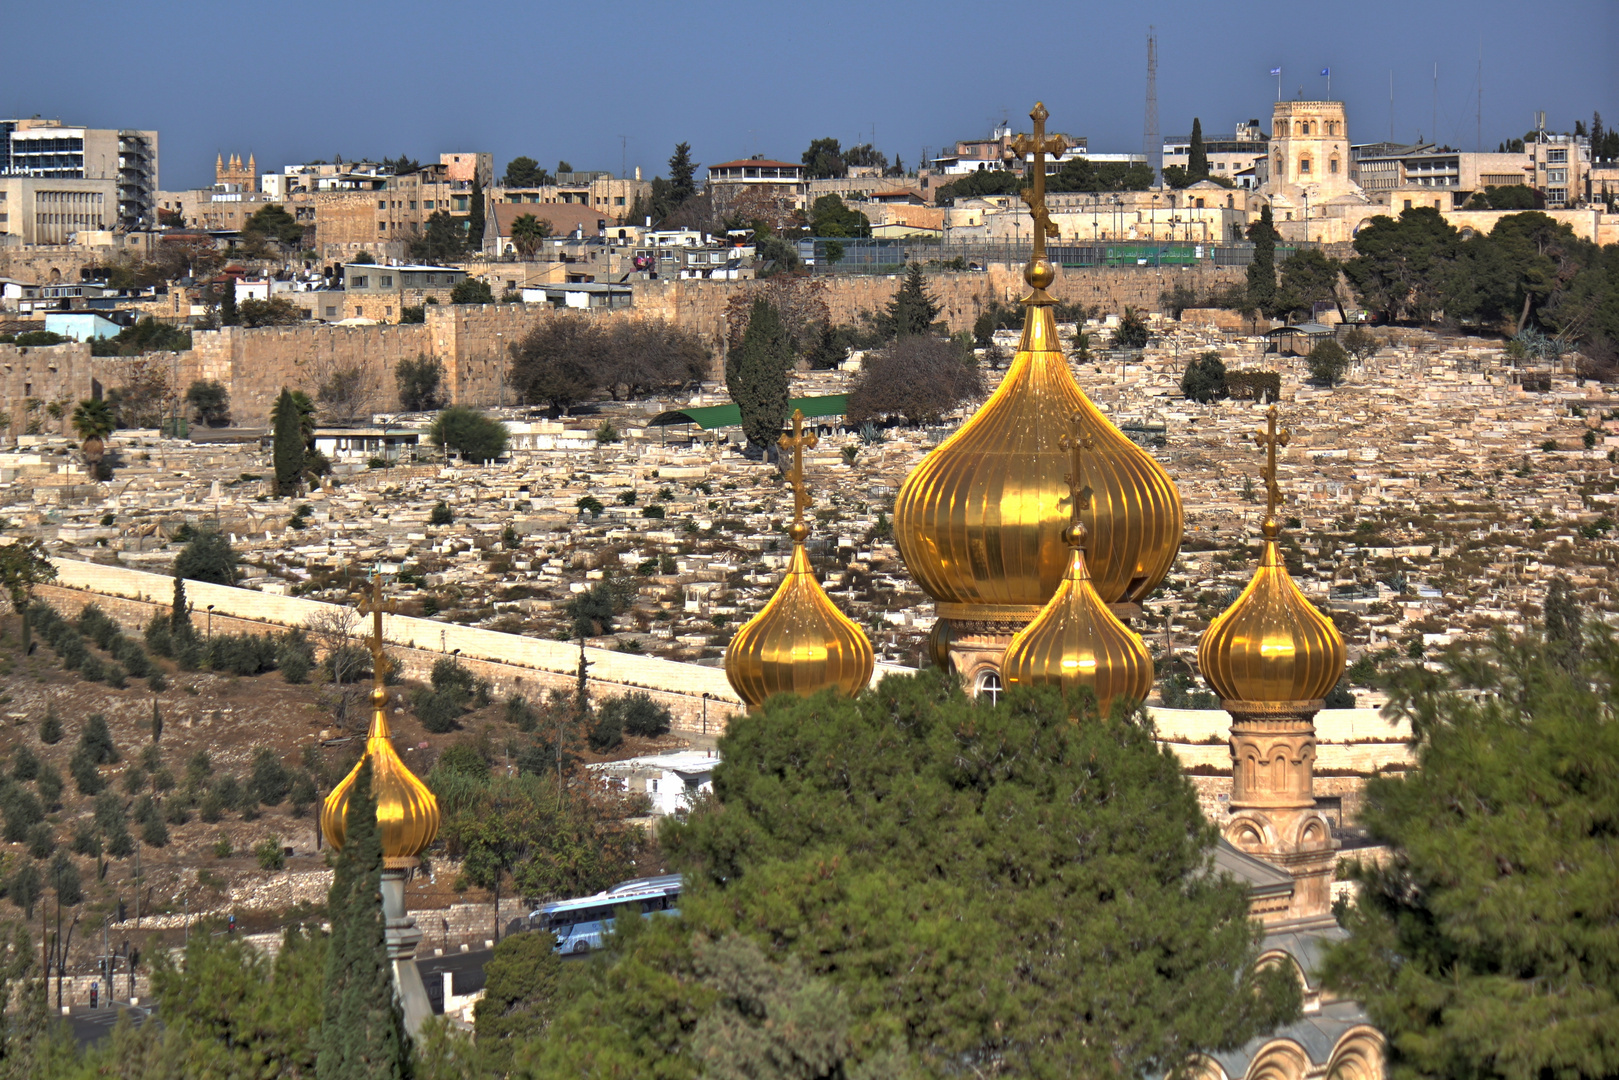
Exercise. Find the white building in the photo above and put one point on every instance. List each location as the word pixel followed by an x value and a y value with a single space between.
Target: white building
pixel 670 781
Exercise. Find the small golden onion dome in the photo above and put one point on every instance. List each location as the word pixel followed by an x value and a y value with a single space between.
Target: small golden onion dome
pixel 407 811
pixel 1076 641
pixel 1272 644
pixel 979 521
pixel 799 643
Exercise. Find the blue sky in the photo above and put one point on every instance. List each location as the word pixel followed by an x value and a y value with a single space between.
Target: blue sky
pixel 300 80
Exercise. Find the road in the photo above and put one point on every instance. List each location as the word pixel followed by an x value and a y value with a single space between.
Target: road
pixel 92 1025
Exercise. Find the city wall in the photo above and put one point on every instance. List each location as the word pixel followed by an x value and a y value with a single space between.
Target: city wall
pixel 60 374
pixel 473 342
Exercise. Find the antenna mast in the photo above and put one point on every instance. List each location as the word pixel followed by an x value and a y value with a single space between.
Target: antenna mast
pixel 1154 146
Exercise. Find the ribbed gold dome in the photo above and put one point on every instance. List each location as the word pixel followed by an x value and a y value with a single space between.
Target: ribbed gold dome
pixel 1076 641
pixel 979 521
pixel 407 811
pixel 1272 644
pixel 799 643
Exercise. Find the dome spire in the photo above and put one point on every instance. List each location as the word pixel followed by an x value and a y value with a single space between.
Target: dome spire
pixel 407 810
pixel 800 642
pixel 1075 640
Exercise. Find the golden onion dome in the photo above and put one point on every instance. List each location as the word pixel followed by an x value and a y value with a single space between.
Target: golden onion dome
pixel 407 810
pixel 1076 641
pixel 800 642
pixel 1271 644
pixel 979 521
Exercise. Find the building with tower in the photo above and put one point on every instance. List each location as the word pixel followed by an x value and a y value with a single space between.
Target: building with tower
pixel 1307 172
pixel 232 175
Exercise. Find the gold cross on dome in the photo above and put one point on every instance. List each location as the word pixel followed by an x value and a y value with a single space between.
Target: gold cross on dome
pixel 375 604
pixel 1270 439
pixel 1077 444
pixel 798 442
pixel 1035 195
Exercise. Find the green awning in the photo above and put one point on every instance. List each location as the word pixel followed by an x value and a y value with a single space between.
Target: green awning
pixel 709 417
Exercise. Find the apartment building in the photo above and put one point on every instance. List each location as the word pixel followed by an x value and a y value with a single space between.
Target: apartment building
pixel 1381 169
pixel 51 150
pixel 599 190
pixel 39 210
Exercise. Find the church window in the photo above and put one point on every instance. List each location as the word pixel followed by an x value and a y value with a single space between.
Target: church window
pixel 1304 165
pixel 989 685
pixel 1332 166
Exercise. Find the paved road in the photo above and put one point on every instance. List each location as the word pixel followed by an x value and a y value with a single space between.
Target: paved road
pixel 92 1025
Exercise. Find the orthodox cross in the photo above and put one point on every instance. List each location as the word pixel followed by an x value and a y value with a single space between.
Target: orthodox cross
pixel 1079 492
pixel 1270 439
pixel 375 605
pixel 1035 195
pixel 797 442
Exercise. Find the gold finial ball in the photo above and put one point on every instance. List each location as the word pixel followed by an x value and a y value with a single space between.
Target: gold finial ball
pixel 1074 534
pixel 1271 529
pixel 1040 273
pixel 797 531
pixel 379 697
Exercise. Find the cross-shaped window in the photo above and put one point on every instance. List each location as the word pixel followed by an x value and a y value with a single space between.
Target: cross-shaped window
pixel 989 685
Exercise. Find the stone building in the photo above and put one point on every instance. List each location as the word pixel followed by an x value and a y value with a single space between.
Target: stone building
pixel 782 184
pixel 235 176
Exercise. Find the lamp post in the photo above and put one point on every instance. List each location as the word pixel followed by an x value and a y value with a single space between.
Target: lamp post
pixel 210 621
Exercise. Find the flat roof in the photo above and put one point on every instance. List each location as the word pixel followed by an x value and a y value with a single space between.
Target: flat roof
pixel 406 266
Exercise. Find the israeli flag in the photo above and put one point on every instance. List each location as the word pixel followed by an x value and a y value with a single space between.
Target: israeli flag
pixel 1275 71
pixel 1325 72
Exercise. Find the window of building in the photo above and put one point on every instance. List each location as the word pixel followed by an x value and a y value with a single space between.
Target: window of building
pixel 387 281
pixel 387 312
pixel 1332 165
pixel 427 204
pixel 618 201
pixel 1556 194
pixel 382 204
pixel 413 204
pixel 989 685
pixel 1408 204
pixel 1200 204
pixel 1557 176
pixel 1557 157
pixel 331 312
pixel 358 282
pixel 1304 166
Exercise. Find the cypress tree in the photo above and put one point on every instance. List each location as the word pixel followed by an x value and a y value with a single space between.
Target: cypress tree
pixel 362 1034
pixel 180 628
pixel 475 219
pixel 1197 158
pixel 157 721
pixel 227 304
pixel 289 443
pixel 756 374
pixel 1262 271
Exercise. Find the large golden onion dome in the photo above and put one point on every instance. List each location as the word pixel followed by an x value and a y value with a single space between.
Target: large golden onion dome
pixel 800 642
pixel 979 521
pixel 1272 644
pixel 407 810
pixel 1076 641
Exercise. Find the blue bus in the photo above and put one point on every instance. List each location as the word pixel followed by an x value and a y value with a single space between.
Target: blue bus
pixel 580 924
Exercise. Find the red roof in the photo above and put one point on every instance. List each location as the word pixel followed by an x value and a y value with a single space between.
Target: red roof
pixel 758 162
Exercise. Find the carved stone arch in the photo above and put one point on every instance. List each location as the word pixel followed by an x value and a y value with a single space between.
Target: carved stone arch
pixel 1203 1067
pixel 1359 1055
pixel 1284 959
pixel 1250 832
pixel 1283 1059
pixel 1314 831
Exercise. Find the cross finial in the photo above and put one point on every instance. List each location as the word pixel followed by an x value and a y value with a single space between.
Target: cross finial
pixel 1270 439
pixel 797 442
pixel 1078 444
pixel 1035 195
pixel 374 604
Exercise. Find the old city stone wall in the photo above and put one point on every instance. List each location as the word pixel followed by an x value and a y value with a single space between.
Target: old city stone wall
pixel 64 374
pixel 473 341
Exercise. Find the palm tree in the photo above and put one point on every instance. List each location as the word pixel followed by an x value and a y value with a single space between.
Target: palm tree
pixel 527 232
pixel 94 421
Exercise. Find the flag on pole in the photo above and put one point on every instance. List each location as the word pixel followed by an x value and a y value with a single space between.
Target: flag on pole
pixel 1326 72
pixel 1276 71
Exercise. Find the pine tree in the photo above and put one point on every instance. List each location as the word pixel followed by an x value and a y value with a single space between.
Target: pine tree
pixel 912 310
pixel 289 443
pixel 1197 158
pixel 363 1030
pixel 682 173
pixel 756 375
pixel 1262 271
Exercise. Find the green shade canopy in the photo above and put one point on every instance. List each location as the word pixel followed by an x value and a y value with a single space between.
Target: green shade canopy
pixel 709 417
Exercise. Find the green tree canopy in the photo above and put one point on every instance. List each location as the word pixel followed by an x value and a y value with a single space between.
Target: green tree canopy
pixel 756 376
pixel 1327 362
pixel 824 160
pixel 93 419
pixel 272 222
pixel 442 240
pixel 682 176
pixel 831 217
pixel 1307 276
pixel 527 233
pixel 1204 378
pixel 207 556
pixel 472 291
pixel 418 382
pixel 525 172
pixel 1083 174
pixel 1197 156
pixel 24 564
pixel 987 938
pixel 1262 271
pixel 913 309
pixel 1483 946
pixel 1400 265
pixel 287 419
pixel 985 182
pixel 209 401
pixel 469 433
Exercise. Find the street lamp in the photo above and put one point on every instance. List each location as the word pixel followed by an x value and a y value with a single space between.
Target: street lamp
pixel 210 620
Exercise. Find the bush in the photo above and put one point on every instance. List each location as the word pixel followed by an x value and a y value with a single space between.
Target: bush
pixel 269 854
pixel 607 733
pixel 462 759
pixel 85 775
pixel 303 794
pixel 50 728
pixel 86 841
pixel 1340 697
pixel 208 557
pixel 222 848
pixel 49 785
pixel 91 669
pixel 119 843
pixel 637 714
pixel 418 380
pixel 1205 378
pixel 154 833
pixel 1328 362
pixel 113 676
pixel 441 514
pixel 24 764
pixel 24 888
pixel 159 635
pixel 239 654
pixel 295 667
pixel 520 714
pixel 96 741
pixel 22 811
pixel 472 291
pixel 469 433
pixel 212 807
pixel 270 780
pixel 439 710
pixel 40 841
